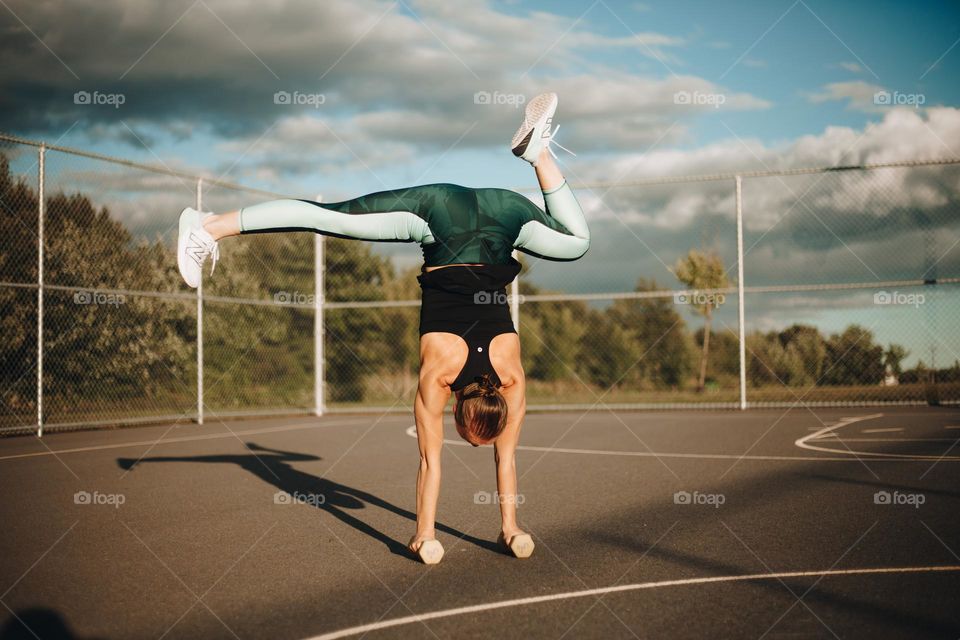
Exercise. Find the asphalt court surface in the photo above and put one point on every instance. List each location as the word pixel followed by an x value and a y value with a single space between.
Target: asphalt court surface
pixel 767 523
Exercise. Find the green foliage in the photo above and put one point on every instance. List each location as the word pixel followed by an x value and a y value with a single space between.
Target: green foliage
pixel 703 271
pixel 609 352
pixel 659 336
pixel 132 346
pixel 355 342
pixel 893 358
pixel 853 358
pixel 770 362
pixel 809 346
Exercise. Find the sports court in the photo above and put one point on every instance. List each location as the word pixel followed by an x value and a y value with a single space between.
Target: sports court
pixel 269 269
pixel 795 523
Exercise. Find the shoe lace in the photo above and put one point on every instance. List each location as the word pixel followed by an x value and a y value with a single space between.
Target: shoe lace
pixel 214 256
pixel 212 249
pixel 551 133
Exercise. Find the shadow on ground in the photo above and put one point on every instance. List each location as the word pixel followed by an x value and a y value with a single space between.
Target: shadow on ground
pixel 275 467
pixel 38 622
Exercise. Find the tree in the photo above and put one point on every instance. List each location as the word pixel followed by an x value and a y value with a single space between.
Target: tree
pixel 401 325
pixel 893 358
pixel 136 350
pixel 770 362
pixel 354 337
pixel 811 348
pixel 663 346
pixel 724 353
pixel 608 351
pixel 703 271
pixel 853 358
pixel 561 327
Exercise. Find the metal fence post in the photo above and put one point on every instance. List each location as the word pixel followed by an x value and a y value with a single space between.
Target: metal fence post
pixel 41 206
pixel 318 302
pixel 515 299
pixel 200 322
pixel 740 313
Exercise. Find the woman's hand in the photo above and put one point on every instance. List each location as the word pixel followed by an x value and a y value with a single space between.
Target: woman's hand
pixel 418 539
pixel 520 544
pixel 509 533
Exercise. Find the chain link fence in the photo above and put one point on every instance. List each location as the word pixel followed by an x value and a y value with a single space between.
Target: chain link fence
pixel 818 286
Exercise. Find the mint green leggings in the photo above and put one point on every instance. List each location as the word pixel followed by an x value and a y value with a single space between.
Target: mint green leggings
pixel 452 224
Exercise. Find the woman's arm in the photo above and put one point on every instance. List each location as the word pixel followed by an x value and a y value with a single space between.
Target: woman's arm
pixel 432 396
pixel 504 453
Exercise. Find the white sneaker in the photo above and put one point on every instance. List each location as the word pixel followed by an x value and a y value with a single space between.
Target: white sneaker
pixel 535 133
pixel 194 244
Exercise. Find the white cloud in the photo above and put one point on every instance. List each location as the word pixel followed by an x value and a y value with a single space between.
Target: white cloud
pixel 858 94
pixel 902 134
pixel 853 67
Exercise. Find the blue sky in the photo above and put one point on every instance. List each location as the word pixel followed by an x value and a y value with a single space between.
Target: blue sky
pixel 797 81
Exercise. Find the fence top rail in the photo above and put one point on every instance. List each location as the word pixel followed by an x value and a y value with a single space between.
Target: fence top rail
pixel 709 177
pixel 207 180
pixel 771 173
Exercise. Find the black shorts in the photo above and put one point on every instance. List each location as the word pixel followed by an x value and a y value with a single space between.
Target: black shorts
pixel 470 302
pixel 467 299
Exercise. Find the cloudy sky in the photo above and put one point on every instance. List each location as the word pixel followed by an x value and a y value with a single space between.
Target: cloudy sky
pixel 335 99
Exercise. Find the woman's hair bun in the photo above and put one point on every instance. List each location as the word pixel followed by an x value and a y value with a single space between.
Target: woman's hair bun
pixel 487 386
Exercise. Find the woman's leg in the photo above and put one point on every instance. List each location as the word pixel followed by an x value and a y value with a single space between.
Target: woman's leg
pixel 223 225
pixel 548 173
pixel 390 216
pixel 387 216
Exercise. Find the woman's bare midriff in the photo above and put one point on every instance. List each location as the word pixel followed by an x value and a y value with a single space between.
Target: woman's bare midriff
pixel 444 266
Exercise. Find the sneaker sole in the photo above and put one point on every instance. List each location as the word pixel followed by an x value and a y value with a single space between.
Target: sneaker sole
pixel 535 116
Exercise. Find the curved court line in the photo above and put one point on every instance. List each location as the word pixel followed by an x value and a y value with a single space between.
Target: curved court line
pixel 519 602
pixel 804 443
pixel 412 432
pixel 209 436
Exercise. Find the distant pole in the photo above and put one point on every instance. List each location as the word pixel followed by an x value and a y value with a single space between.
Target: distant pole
pixel 740 313
pixel 318 279
pixel 200 321
pixel 41 207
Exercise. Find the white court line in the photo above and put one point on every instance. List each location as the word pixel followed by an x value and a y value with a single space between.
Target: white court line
pixel 804 443
pixel 887 430
pixel 836 438
pixel 140 443
pixel 519 602
pixel 412 432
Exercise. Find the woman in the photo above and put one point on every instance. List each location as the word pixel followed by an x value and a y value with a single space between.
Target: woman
pixel 468 344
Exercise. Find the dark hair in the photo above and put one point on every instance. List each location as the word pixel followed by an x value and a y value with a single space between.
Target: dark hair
pixel 482 411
